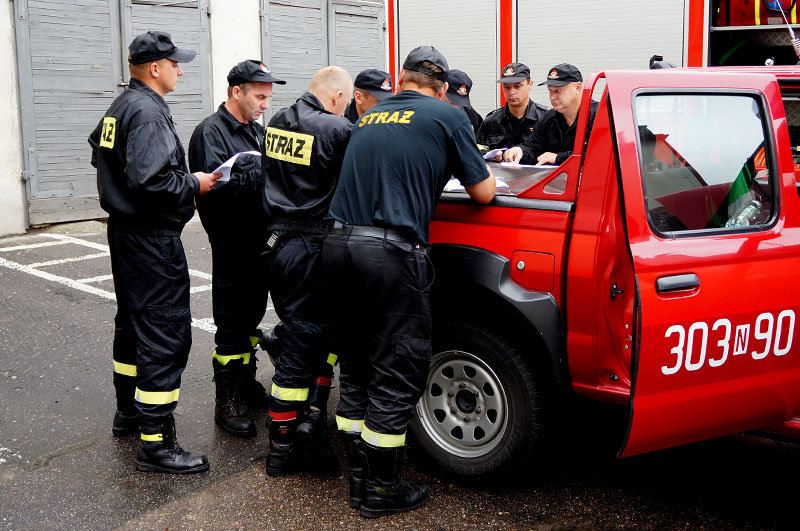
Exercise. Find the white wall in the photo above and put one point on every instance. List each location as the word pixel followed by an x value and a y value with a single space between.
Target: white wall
pixel 12 189
pixel 235 37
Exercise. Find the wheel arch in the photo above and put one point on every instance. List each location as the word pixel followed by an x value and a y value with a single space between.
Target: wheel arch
pixel 470 278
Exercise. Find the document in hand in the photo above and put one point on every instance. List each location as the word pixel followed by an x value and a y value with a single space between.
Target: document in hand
pixel 225 167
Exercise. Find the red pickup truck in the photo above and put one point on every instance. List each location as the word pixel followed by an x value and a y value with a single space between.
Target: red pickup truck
pixel 657 268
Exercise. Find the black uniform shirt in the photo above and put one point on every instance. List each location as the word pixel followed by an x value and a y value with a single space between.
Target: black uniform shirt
pixel 303 156
pixel 215 140
pixel 351 113
pixel 552 134
pixel 401 154
pixel 142 176
pixel 501 129
pixel 474 118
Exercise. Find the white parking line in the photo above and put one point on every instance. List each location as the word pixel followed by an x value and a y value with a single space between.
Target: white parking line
pixel 84 284
pixel 68 260
pixel 30 246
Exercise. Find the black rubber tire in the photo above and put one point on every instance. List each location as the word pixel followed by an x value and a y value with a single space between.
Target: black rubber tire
pixel 497 365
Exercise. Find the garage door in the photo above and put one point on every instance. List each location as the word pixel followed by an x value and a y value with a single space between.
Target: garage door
pixel 597 35
pixel 72 64
pixel 301 36
pixel 465 32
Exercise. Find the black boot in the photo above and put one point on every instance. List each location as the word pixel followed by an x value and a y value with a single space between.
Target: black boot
pixel 355 468
pixel 230 412
pixel 252 391
pixel 385 491
pixel 159 450
pixel 316 418
pixel 290 454
pixel 126 418
pixel 282 458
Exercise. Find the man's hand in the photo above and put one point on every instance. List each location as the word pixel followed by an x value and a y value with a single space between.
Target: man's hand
pixel 207 181
pixel 497 158
pixel 546 158
pixel 513 154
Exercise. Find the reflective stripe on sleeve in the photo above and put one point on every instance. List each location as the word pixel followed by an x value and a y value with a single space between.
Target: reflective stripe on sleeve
pixel 332 359
pixel 290 395
pixel 349 425
pixel 254 341
pixel 383 440
pixel 124 369
pixel 157 398
pixel 223 360
pixel 152 437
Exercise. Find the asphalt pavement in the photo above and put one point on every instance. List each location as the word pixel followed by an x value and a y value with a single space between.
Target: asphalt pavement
pixel 60 467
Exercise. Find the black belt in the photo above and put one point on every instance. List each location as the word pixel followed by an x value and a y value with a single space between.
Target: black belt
pixel 374 232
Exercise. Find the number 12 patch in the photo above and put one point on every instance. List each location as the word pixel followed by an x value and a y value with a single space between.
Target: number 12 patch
pixel 109 132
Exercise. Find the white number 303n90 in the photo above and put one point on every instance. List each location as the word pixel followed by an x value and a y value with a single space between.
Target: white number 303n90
pixel 770 334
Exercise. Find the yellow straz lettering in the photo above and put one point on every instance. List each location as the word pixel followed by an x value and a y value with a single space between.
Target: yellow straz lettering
pixel 363 120
pixel 109 132
pixel 381 119
pixel 406 119
pixel 372 116
pixel 289 146
pixel 393 118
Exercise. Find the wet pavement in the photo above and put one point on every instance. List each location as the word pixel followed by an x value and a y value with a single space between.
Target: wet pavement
pixel 60 467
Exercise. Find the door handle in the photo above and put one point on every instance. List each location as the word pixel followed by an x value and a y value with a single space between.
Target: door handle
pixel 677 283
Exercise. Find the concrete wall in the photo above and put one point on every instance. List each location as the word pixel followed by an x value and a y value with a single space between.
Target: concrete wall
pixel 235 36
pixel 12 189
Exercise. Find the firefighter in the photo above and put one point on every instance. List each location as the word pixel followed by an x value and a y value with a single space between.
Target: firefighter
pixel 401 154
pixel 303 153
pixel 145 187
pixel 511 123
pixel 232 215
pixel 553 137
pixel 371 86
pixel 459 85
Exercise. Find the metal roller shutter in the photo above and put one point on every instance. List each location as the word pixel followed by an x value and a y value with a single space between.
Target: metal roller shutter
pixel 465 32
pixel 597 35
pixel 295 45
pixel 357 41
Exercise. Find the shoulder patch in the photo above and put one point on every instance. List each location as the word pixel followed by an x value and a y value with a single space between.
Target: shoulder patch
pixel 109 133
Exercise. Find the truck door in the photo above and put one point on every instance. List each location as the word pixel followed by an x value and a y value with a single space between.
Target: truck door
pixel 705 167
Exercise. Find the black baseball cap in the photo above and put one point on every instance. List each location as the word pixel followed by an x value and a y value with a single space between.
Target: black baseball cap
pixel 377 82
pixel 155 45
pixel 249 71
pixel 420 54
pixel 562 74
pixel 514 73
pixel 459 88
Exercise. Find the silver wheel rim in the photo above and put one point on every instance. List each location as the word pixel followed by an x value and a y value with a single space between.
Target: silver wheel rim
pixel 464 407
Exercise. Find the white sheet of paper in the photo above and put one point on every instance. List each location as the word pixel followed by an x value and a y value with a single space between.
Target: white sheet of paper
pixel 225 167
pixel 454 185
pixel 489 155
pixel 517 165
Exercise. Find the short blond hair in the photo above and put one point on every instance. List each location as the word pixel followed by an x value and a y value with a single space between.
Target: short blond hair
pixel 329 80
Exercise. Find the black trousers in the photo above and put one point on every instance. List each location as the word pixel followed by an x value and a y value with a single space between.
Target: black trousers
pixel 152 336
pixel 233 219
pixel 294 268
pixel 382 325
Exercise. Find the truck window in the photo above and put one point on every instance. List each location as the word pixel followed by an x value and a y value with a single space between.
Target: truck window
pixel 703 159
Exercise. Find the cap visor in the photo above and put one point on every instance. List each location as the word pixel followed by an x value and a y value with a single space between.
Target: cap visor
pixel 554 83
pixel 512 79
pixel 380 95
pixel 267 78
pixel 182 55
pixel 458 99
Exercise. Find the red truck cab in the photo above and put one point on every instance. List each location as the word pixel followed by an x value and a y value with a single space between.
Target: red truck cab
pixel 656 268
